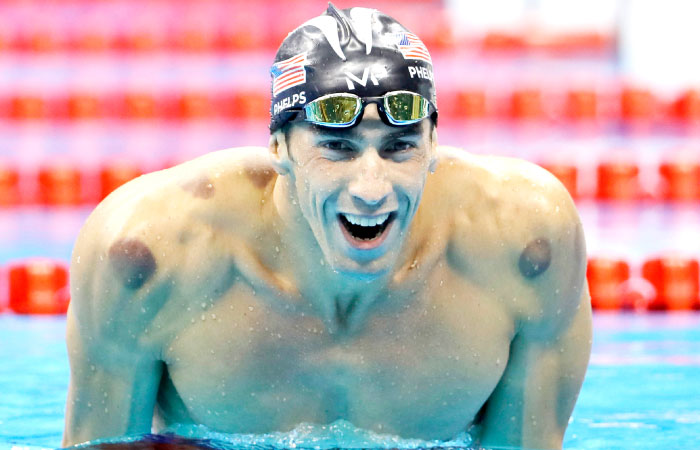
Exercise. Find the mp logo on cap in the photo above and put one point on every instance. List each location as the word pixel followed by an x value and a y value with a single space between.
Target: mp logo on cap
pixel 372 73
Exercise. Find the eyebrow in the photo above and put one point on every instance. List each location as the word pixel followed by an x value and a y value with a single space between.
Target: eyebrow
pixel 411 130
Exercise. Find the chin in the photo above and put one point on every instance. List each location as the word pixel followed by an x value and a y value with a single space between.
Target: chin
pixel 360 259
pixel 361 271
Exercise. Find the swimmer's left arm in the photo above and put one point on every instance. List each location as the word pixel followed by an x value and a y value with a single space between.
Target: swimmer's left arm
pixel 549 353
pixel 532 403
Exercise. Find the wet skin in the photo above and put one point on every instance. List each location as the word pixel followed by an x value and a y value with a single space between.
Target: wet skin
pixel 231 291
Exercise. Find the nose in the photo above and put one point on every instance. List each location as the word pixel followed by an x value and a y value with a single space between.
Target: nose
pixel 369 187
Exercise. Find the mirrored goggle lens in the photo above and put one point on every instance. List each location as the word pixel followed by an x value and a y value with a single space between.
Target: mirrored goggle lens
pixel 405 107
pixel 333 110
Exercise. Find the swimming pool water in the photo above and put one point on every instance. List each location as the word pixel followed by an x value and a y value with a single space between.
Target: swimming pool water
pixel 642 389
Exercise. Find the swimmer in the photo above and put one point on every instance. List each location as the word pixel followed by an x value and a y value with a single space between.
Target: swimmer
pixel 352 270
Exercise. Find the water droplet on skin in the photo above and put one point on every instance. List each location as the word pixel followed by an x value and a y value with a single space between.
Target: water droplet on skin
pixel 204 317
pixel 250 308
pixel 78 259
pixel 204 305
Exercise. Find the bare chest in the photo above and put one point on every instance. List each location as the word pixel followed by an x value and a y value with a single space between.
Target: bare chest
pixel 424 371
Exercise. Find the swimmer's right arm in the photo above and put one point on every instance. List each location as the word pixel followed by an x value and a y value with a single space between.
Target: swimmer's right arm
pixel 114 369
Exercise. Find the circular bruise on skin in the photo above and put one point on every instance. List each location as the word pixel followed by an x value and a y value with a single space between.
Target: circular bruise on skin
pixel 200 187
pixel 132 261
pixel 260 177
pixel 535 259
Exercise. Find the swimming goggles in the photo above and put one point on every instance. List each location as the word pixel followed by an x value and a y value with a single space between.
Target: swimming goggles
pixel 343 110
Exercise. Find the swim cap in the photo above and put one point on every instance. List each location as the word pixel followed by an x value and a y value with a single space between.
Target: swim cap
pixel 356 50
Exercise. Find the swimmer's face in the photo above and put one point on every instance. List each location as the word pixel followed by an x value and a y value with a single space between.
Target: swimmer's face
pixel 359 188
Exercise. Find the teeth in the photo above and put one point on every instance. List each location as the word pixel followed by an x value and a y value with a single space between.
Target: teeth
pixel 366 221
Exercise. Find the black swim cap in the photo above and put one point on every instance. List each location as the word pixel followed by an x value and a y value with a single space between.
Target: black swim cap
pixel 356 50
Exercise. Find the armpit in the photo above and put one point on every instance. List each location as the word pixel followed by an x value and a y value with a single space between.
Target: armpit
pixel 132 261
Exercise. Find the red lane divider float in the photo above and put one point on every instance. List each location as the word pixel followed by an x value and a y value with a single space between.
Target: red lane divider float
pixel 666 283
pixel 63 184
pixel 60 185
pixel 637 108
pixel 38 286
pixel 9 186
pixel 606 278
pixel 680 180
pixel 437 35
pixel 676 281
pixel 116 174
pixel 566 173
pixel 618 180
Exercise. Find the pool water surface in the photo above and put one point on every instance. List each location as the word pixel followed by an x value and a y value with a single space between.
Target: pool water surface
pixel 642 389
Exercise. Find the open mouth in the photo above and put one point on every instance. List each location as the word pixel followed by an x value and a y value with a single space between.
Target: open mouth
pixel 365 232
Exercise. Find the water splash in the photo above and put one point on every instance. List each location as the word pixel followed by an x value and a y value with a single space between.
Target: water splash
pixel 337 435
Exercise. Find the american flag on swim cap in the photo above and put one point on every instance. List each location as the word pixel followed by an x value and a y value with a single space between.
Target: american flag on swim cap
pixel 288 73
pixel 411 47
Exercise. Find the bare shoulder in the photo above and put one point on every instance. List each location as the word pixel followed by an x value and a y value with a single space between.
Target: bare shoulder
pixel 516 227
pixel 157 237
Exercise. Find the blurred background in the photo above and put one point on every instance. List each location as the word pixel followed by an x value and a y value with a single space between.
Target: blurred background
pixel 603 93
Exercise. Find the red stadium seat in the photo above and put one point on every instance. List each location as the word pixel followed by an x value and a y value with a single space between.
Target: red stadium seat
pixel 38 286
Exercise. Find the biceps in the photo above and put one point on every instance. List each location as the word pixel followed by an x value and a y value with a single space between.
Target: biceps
pixel 110 395
pixel 533 401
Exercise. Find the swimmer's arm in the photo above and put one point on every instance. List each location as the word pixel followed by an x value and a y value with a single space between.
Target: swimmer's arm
pixel 549 353
pixel 114 370
pixel 532 403
pixel 109 395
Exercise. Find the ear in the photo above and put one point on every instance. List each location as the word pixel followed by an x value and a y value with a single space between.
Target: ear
pixel 279 154
pixel 433 151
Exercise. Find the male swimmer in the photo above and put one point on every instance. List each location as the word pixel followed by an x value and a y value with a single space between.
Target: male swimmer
pixel 353 270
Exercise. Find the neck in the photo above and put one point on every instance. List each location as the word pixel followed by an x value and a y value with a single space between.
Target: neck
pixel 341 301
